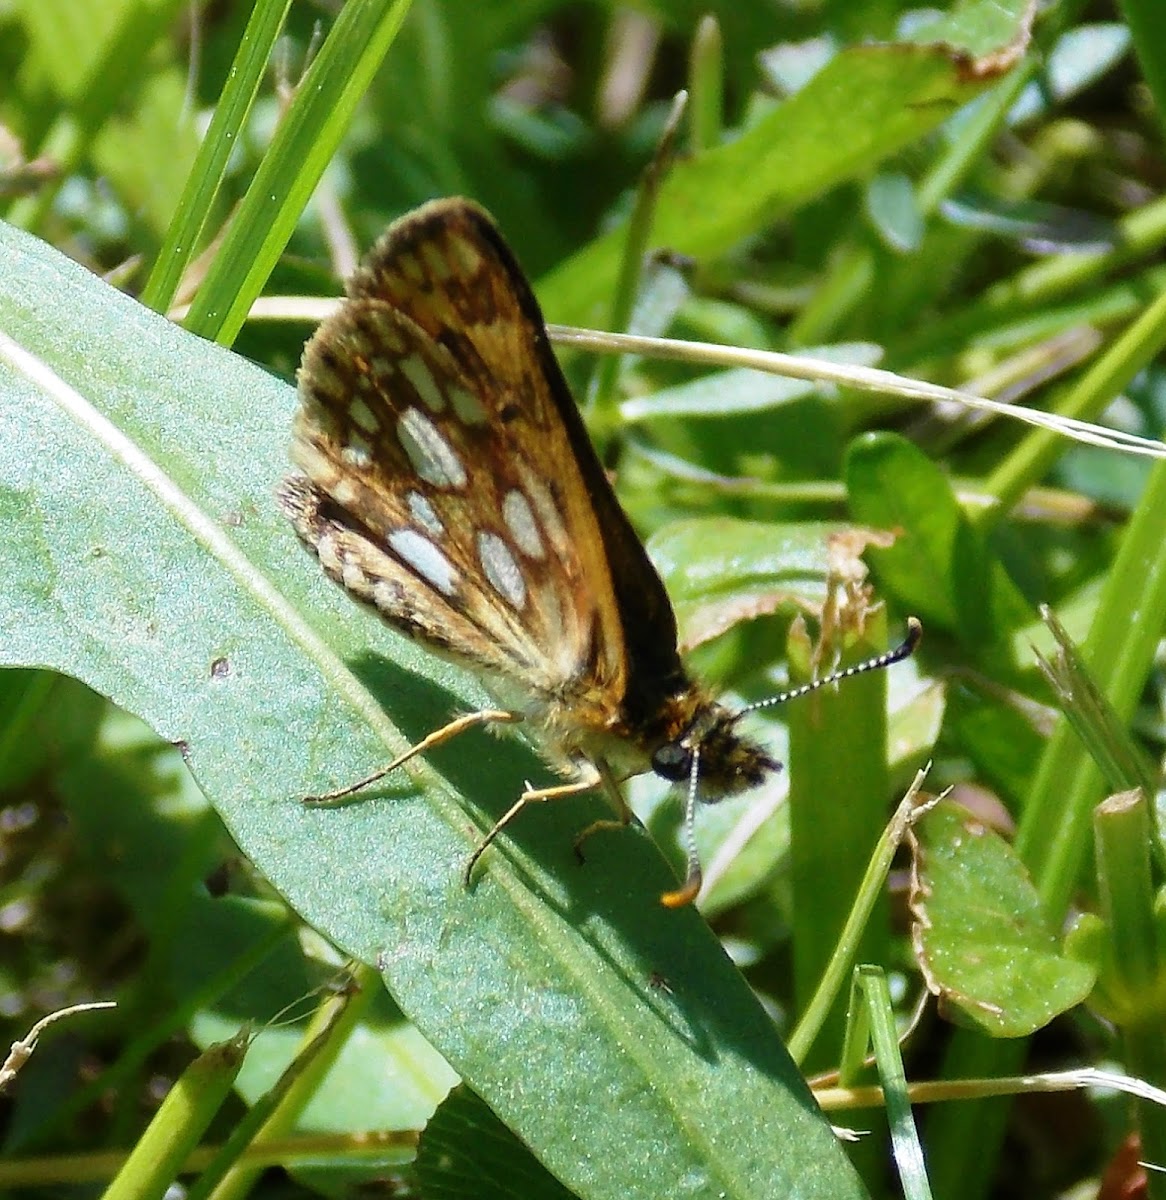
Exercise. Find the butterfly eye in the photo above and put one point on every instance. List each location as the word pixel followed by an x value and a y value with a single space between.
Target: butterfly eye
pixel 673 761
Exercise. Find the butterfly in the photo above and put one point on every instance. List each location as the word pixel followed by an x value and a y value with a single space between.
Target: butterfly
pixel 445 478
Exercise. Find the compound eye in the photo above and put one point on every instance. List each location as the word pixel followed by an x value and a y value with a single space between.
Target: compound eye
pixel 673 761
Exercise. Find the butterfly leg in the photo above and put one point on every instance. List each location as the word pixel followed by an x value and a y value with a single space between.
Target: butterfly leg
pixel 487 716
pixel 587 781
pixel 615 795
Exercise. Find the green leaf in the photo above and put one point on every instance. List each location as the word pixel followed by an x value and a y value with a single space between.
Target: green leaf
pixel 1003 735
pixel 466 1153
pixel 1102 731
pixel 721 570
pixel 980 934
pixel 938 567
pixel 315 122
pixel 865 105
pixel 1081 57
pixel 180 1122
pixel 1039 227
pixel 146 155
pixel 187 218
pixel 133 805
pixel 43 719
pixel 893 209
pixel 871 1007
pixel 145 556
pixel 838 763
pixel 81 49
pixel 721 393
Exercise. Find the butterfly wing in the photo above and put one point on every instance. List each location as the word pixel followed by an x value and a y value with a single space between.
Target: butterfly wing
pixel 448 268
pixel 450 482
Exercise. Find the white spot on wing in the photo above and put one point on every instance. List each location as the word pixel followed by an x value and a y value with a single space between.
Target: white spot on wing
pixel 356 451
pixel 516 512
pixel 363 416
pixel 352 575
pixel 433 458
pixel 435 260
pixel 548 512
pixel 568 640
pixel 344 492
pixel 421 377
pixel 501 568
pixel 465 254
pixel 328 553
pixel 425 558
pixel 386 595
pixel 425 514
pixel 467 406
pixel 408 265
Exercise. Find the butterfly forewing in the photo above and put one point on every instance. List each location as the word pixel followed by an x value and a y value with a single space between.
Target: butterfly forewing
pixel 443 485
pixel 447 268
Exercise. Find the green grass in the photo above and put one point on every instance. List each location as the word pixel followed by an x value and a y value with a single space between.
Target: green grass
pixel 181 673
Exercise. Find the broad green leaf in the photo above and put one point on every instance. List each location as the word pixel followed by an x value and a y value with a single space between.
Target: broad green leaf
pixel 145 556
pixel 980 934
pixel 133 805
pixel 721 570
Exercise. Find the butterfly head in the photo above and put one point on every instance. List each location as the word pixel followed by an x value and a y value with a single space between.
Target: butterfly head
pixel 718 761
pixel 729 762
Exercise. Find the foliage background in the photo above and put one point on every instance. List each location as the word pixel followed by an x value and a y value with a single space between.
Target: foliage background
pixel 1006 243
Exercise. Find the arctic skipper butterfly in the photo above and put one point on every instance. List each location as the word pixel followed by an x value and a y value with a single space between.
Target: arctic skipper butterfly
pixel 446 479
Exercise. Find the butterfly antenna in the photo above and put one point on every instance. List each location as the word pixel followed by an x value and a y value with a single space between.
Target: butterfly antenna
pixel 688 892
pixel 904 650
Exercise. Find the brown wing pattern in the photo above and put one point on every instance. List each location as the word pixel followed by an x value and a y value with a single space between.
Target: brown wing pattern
pixel 448 269
pixel 442 481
